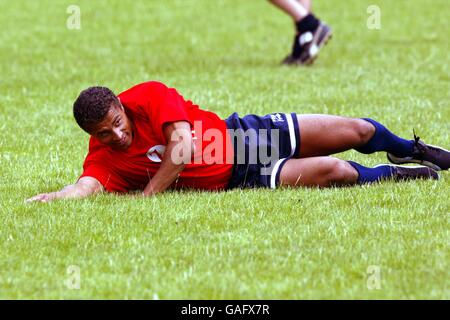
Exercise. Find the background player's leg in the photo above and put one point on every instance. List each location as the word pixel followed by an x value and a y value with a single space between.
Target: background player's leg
pixel 311 35
pixel 306 4
pixel 322 135
pixel 293 8
pixel 318 172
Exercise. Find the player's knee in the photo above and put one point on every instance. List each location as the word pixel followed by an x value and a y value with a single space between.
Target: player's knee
pixel 339 172
pixel 364 130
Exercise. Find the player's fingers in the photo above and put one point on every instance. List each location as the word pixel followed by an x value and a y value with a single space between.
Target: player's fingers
pixel 39 197
pixel 33 198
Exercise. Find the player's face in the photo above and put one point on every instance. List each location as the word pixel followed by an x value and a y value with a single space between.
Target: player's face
pixel 115 130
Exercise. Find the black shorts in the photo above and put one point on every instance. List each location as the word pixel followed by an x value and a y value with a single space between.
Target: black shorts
pixel 258 159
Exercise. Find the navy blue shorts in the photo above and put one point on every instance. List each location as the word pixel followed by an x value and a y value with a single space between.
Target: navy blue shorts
pixel 262 145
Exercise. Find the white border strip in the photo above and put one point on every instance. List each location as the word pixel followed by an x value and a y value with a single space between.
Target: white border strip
pixel 290 122
pixel 274 174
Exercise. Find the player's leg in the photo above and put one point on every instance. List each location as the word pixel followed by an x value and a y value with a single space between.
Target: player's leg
pixel 323 135
pixel 311 33
pixel 306 4
pixel 329 171
pixel 318 172
pixel 292 7
pixel 406 151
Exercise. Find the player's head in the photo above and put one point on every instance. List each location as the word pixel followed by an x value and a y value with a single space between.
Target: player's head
pixel 99 112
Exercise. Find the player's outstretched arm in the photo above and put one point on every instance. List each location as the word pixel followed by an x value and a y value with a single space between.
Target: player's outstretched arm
pixel 178 153
pixel 84 187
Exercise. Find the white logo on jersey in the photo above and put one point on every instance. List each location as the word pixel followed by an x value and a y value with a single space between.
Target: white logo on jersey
pixel 155 153
pixel 277 117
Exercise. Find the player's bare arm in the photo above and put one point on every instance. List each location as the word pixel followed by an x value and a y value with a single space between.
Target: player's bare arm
pixel 84 187
pixel 179 151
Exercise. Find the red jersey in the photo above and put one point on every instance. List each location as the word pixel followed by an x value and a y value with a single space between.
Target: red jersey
pixel 149 106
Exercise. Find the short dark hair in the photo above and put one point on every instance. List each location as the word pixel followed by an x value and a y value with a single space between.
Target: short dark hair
pixel 92 105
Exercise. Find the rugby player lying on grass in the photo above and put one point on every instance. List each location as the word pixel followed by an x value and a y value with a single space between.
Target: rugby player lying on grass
pixel 149 138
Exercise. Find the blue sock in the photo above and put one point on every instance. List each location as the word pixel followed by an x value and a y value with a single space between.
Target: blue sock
pixel 384 140
pixel 369 175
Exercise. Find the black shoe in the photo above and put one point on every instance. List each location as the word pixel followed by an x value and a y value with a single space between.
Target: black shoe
pixel 401 173
pixel 307 45
pixel 431 156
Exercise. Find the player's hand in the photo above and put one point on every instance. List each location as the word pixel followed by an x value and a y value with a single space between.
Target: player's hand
pixel 43 197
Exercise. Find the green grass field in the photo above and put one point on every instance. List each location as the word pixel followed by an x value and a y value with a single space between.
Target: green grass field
pixel 252 244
